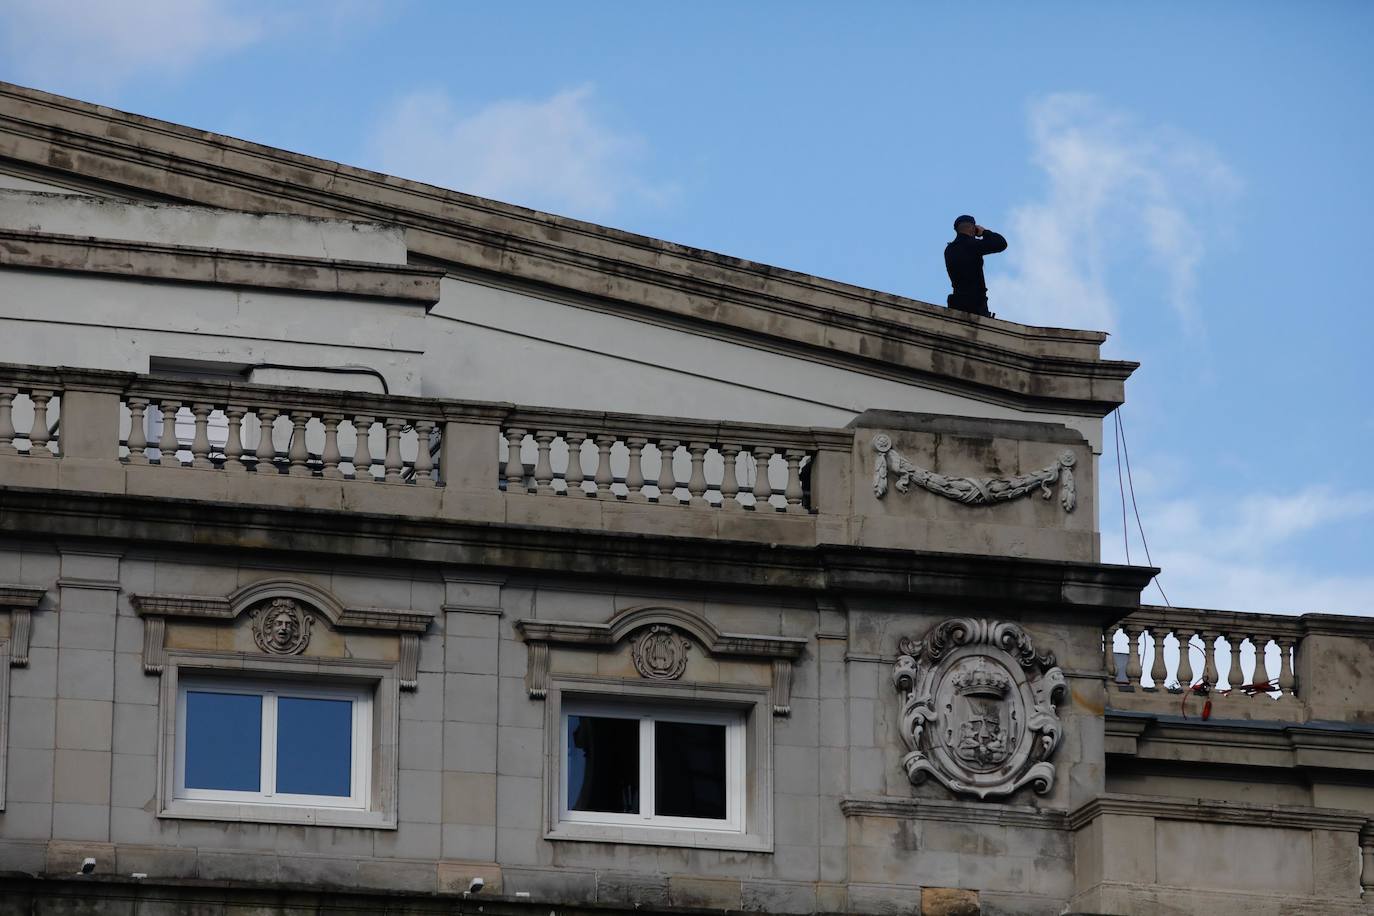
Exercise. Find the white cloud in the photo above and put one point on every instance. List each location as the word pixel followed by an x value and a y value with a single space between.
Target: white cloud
pixel 73 45
pixel 552 154
pixel 1244 557
pixel 1117 192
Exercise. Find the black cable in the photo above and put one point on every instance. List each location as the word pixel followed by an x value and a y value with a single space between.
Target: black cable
pixel 1125 538
pixel 1125 447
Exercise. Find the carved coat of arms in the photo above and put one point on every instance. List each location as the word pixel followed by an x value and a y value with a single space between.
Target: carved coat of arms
pixel 978 709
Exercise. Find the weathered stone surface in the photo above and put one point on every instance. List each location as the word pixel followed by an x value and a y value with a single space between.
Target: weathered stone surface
pixel 949 901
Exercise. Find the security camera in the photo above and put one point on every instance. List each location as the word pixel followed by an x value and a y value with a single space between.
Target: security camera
pixel 475 886
pixel 87 866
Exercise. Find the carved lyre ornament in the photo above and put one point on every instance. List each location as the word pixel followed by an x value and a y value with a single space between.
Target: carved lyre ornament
pixel 281 626
pixel 978 709
pixel 971 491
pixel 660 652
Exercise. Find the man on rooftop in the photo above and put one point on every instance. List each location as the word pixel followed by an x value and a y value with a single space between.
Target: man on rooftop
pixel 964 262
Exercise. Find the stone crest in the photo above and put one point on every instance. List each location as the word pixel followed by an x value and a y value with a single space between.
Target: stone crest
pixel 660 652
pixel 281 626
pixel 971 491
pixel 978 708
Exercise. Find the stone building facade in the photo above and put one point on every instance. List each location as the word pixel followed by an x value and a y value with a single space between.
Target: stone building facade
pixel 370 547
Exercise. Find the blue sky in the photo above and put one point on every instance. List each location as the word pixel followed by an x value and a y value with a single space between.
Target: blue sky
pixel 1194 178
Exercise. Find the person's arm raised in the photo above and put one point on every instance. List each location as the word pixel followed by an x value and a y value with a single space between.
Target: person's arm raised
pixel 991 242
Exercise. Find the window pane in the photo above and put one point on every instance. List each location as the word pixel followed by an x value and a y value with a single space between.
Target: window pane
pixel 689 770
pixel 603 764
pixel 223 741
pixel 314 746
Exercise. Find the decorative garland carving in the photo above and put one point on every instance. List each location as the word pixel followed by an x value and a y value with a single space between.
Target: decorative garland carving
pixel 281 626
pixel 978 708
pixel 660 653
pixel 971 491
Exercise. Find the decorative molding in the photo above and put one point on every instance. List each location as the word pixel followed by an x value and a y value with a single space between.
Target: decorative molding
pixel 96 585
pixel 537 670
pixel 410 661
pixel 654 622
pixel 154 644
pixel 971 491
pixel 782 687
pixel 1208 811
pixel 293 596
pixel 20 601
pixel 660 653
pixel 930 809
pixel 978 708
pixel 281 626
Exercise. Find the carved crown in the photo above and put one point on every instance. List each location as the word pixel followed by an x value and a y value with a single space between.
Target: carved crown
pixel 981 682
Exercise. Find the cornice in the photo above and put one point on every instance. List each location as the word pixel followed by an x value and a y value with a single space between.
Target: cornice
pixel 1257 743
pixel 1044 367
pixel 1208 811
pixel 184 264
pixel 1096 593
pixel 959 812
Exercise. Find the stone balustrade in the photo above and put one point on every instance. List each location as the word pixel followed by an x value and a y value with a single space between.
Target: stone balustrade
pixel 243 428
pixel 637 460
pixel 1256 653
pixel 27 408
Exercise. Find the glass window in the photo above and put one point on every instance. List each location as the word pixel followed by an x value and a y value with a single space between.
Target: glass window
pixel 658 766
pixel 273 743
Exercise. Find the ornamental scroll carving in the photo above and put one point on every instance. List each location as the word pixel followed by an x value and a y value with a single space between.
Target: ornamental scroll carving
pixel 971 491
pixel 978 709
pixel 660 652
pixel 281 626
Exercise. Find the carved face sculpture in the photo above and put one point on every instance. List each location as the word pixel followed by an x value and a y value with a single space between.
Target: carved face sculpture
pixel 281 627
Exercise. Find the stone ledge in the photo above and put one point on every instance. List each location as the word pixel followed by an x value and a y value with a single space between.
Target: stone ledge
pixel 1208 811
pixel 185 264
pixel 929 809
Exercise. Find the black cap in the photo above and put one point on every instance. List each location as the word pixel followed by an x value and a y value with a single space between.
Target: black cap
pixel 964 219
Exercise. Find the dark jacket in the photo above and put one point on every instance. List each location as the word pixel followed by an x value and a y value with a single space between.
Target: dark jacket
pixel 964 261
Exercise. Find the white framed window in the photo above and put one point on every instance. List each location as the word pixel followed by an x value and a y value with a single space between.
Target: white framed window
pixel 652 765
pixel 273 742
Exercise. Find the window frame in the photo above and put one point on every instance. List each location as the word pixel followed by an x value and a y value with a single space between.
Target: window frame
pixel 751 703
pixel 647 714
pixel 271 690
pixel 379 677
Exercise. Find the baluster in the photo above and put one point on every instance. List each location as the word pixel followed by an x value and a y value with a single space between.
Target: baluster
pixel 1185 661
pixel 362 448
pixel 7 396
pixel 296 450
pixel 634 477
pixel 392 462
pixel 1209 656
pixel 763 487
pixel 138 435
pixel 1234 676
pixel 573 476
pixel 793 491
pixel 233 439
pixel 1109 650
pixel 1133 653
pixel 38 437
pixel 729 481
pixel 696 484
pixel 424 461
pixel 167 443
pixel 330 456
pixel 543 467
pixel 667 479
pixel 267 449
pixel 1261 673
pixel 1157 669
pixel 1288 681
pixel 515 467
pixel 604 479
pixel 200 440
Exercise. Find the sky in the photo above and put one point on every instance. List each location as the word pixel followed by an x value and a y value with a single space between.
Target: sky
pixel 1192 178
